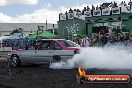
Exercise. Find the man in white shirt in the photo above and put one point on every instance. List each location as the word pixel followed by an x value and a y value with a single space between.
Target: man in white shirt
pixel 85 42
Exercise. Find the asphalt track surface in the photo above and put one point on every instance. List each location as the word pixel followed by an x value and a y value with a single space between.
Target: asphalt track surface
pixel 34 76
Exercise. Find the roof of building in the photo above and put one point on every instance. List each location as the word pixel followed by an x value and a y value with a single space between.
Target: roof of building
pixel 25 26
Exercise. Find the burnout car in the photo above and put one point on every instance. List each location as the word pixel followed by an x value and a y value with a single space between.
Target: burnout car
pixel 43 51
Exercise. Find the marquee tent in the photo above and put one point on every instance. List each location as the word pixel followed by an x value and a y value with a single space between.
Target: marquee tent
pixel 44 34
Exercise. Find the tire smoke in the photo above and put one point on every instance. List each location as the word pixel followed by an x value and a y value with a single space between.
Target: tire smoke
pixel 98 57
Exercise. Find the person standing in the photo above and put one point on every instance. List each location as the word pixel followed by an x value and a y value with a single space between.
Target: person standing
pixel 85 42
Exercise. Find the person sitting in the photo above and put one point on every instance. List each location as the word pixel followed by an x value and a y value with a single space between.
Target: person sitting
pixel 100 7
pixel 115 5
pixel 84 9
pixel 125 3
pixel 88 9
pixel 121 4
pixel 70 11
pixel 130 3
pixel 97 8
pixel 93 8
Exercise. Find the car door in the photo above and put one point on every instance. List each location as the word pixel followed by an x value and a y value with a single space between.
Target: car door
pixel 65 54
pixel 45 53
pixel 30 54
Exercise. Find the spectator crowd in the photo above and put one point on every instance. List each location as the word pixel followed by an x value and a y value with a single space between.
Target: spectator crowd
pixel 103 39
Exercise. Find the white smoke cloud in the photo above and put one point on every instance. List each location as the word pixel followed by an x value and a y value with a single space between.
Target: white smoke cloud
pixel 10 2
pixel 104 58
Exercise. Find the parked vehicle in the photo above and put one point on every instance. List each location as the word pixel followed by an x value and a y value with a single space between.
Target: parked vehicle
pixel 43 51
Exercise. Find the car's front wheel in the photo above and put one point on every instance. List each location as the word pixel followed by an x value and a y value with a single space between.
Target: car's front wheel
pixel 15 61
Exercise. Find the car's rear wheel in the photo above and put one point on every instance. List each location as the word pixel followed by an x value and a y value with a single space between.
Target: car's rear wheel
pixel 55 59
pixel 15 61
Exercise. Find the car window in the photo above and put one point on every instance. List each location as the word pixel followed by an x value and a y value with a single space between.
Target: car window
pixel 72 44
pixel 45 45
pixel 54 46
pixel 38 45
pixel 57 47
pixel 31 47
pixel 35 46
pixel 64 43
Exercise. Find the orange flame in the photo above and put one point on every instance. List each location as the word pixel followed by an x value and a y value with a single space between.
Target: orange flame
pixel 81 71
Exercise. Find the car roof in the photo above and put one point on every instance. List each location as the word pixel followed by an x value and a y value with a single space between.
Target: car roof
pixel 50 39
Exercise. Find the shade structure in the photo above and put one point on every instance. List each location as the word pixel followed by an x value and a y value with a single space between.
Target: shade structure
pixel 47 34
pixel 18 36
pixel 4 37
pixel 44 34
pixel 32 36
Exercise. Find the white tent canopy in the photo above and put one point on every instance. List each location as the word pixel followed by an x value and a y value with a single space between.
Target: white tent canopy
pixel 18 36
pixel 4 37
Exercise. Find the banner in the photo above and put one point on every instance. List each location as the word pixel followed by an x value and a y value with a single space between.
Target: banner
pixel 70 15
pixel 125 9
pixel 77 14
pixel 82 17
pixel 106 11
pixel 62 16
pixel 97 13
pixel 87 13
pixel 116 10
pixel 107 24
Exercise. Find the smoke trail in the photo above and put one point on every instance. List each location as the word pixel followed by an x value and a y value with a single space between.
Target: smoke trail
pixel 97 57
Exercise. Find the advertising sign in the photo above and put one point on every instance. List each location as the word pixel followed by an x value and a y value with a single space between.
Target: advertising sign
pixel 116 10
pixel 62 16
pixel 97 13
pixel 87 13
pixel 106 11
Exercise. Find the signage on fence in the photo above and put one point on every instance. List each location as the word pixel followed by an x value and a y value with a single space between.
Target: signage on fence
pixel 77 14
pixel 87 13
pixel 116 10
pixel 70 15
pixel 97 13
pixel 125 9
pixel 106 11
pixel 62 16
pixel 107 24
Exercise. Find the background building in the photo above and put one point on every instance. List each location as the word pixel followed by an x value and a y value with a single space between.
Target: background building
pixel 7 28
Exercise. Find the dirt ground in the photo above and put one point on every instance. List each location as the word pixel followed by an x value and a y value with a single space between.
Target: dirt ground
pixel 34 76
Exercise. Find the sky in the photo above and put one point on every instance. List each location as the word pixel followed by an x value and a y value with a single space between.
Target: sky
pixel 38 11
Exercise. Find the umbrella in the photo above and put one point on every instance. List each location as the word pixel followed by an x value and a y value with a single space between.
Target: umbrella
pixel 4 37
pixel 45 34
pixel 32 36
pixel 18 36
